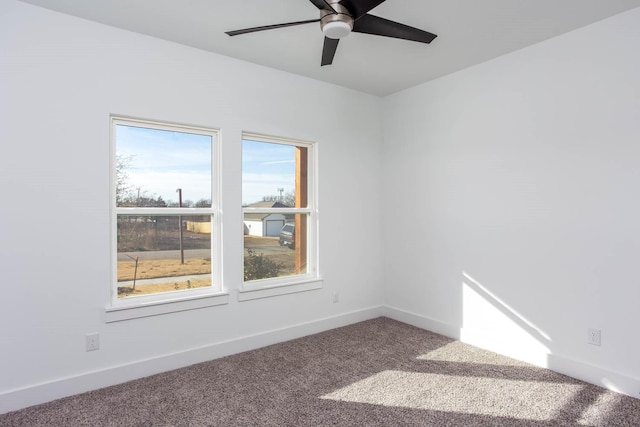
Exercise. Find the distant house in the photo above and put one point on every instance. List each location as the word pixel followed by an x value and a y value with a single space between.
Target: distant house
pixel 265 224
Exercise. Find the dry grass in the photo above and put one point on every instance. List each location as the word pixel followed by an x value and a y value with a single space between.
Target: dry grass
pixel 157 268
pixel 168 268
pixel 124 291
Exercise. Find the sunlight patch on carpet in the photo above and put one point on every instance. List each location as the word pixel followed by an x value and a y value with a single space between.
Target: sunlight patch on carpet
pixel 460 394
pixel 598 412
pixel 464 353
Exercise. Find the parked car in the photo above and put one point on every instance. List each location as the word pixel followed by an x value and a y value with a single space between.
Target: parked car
pixel 288 235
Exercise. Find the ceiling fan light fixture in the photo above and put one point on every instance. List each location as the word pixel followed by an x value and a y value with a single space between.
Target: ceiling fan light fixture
pixel 336 29
pixel 336 25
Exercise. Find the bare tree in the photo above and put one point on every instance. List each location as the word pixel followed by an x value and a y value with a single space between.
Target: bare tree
pixel 124 190
pixel 288 198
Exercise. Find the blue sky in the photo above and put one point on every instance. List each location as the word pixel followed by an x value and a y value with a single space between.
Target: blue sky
pixel 266 167
pixel 162 161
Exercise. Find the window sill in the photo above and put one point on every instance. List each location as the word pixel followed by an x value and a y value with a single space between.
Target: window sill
pixel 249 293
pixel 156 308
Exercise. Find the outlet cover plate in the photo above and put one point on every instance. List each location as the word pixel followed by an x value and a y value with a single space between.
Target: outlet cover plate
pixel 92 342
pixel 594 336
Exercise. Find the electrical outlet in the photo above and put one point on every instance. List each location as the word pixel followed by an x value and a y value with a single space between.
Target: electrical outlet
pixel 93 342
pixel 594 336
pixel 336 297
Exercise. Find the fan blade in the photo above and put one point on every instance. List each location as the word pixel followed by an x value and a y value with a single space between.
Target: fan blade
pixel 370 24
pixel 329 50
pixel 269 27
pixel 359 8
pixel 323 5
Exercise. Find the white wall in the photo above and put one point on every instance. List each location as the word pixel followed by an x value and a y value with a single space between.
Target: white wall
pixel 521 173
pixel 514 194
pixel 60 78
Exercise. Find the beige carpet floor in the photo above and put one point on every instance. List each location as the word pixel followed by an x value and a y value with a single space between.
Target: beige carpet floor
pixel 375 373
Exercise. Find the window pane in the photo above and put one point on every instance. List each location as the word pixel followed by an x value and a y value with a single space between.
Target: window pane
pixel 275 245
pixel 155 255
pixel 269 177
pixel 152 164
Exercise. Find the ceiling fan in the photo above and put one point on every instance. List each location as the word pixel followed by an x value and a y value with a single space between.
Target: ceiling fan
pixel 338 18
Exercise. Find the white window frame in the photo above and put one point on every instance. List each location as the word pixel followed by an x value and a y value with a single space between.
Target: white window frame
pixel 167 302
pixel 298 282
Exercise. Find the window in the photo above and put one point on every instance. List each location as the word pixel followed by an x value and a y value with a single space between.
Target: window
pixel 279 212
pixel 166 225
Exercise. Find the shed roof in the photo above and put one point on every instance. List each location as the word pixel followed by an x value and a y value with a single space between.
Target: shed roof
pixel 269 204
pixel 262 216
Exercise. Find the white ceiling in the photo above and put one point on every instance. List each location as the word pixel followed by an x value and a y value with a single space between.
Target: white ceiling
pixel 469 32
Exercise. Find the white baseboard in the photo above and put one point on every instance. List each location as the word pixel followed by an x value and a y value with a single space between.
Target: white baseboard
pixel 558 363
pixel 422 322
pixel 45 392
pixel 595 375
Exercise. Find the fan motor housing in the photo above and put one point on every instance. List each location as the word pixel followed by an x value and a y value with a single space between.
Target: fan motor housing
pixel 336 25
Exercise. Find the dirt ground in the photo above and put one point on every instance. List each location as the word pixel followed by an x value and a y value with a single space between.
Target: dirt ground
pixel 270 248
pixel 254 241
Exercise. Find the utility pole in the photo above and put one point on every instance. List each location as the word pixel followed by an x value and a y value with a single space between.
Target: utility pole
pixel 179 191
pixel 280 190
